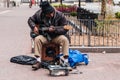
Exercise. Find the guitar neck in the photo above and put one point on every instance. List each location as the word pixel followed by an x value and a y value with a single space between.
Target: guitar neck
pixel 66 27
pixel 47 28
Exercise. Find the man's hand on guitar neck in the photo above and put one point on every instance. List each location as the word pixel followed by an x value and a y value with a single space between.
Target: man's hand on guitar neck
pixel 36 30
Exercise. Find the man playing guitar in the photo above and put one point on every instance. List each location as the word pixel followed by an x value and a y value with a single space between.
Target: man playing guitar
pixel 52 27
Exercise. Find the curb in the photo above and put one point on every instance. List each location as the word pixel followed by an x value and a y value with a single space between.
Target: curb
pixel 97 49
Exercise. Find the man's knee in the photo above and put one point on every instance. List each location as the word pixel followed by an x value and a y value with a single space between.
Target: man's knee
pixel 64 38
pixel 38 38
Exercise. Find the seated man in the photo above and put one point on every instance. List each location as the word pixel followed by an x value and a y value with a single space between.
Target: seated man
pixel 49 24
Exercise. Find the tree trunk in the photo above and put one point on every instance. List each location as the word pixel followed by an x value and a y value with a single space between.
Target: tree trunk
pixel 61 2
pixel 103 8
pixel 50 1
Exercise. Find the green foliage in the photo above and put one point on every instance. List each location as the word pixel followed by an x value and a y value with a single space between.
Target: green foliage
pixel 105 26
pixel 100 25
pixel 58 5
pixel 117 14
pixel 73 13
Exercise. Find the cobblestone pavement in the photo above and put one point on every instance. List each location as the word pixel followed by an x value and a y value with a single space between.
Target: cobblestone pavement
pixel 15 40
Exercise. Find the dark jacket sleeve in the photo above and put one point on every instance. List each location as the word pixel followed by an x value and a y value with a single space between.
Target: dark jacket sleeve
pixel 61 22
pixel 32 21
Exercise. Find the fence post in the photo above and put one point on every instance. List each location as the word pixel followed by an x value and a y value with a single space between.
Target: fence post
pixel 89 39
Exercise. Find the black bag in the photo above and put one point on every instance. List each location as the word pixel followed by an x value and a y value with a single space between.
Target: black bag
pixel 23 59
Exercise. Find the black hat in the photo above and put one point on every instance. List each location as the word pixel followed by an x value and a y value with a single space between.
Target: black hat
pixel 46 7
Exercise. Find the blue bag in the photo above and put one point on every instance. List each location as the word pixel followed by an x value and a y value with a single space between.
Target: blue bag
pixel 76 56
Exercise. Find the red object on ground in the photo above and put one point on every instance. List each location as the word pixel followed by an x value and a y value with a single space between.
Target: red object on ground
pixel 33 1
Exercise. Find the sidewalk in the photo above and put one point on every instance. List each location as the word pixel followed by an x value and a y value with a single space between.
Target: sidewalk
pixel 3 9
pixel 15 40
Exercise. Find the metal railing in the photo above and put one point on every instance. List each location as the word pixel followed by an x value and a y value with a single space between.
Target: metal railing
pixel 94 33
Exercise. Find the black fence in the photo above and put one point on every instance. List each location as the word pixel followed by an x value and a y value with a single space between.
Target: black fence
pixel 105 34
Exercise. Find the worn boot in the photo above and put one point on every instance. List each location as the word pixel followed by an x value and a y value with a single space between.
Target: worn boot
pixel 36 66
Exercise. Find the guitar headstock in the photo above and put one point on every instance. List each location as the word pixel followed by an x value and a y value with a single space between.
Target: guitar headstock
pixel 67 27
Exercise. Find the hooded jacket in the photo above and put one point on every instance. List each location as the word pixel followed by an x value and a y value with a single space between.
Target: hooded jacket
pixel 40 19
